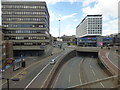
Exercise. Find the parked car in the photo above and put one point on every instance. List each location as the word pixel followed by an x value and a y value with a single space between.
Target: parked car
pixel 52 62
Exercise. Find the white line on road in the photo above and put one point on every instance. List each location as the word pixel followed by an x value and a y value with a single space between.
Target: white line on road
pixel 111 61
pixel 80 79
pixel 90 66
pixel 102 85
pixel 93 72
pixel 69 78
pixel 90 61
pixel 36 76
pixel 79 73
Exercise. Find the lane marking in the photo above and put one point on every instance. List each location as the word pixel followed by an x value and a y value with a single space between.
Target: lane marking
pixel 80 79
pixel 36 76
pixel 69 78
pixel 79 72
pixel 90 61
pixel 50 73
pixel 90 66
pixel 102 85
pixel 58 74
pixel 23 70
pixel 111 61
pixel 93 72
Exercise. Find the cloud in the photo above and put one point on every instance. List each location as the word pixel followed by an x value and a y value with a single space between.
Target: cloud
pixel 87 2
pixel 110 27
pixel 67 16
pixel 49 1
pixel 108 9
pixel 52 16
pixel 68 30
pixel 75 20
pixel 54 32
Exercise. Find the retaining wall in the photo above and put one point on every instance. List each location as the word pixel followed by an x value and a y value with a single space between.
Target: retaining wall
pixel 52 76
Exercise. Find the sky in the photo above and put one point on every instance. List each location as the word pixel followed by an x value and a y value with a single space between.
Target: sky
pixel 71 13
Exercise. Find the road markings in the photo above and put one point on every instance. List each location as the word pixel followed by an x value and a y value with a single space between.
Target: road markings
pixel 90 61
pixel 79 73
pixel 69 78
pixel 111 61
pixel 36 76
pixel 80 79
pixel 102 85
pixel 93 72
pixel 49 75
pixel 90 66
pixel 22 71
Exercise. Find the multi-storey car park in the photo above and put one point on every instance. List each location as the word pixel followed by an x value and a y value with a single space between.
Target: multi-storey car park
pixel 26 24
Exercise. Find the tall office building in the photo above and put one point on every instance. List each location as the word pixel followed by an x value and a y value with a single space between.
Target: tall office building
pixel 91 25
pixel 26 25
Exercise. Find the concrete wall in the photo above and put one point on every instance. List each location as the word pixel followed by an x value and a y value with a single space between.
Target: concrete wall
pixel 53 74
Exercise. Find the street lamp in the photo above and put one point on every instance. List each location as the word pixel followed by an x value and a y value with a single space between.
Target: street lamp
pixel 14 79
pixel 59 27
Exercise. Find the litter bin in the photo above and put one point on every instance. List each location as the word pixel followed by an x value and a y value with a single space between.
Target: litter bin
pixel 23 64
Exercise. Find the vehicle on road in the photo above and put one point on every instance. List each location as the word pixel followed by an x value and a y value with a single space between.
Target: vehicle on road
pixel 52 62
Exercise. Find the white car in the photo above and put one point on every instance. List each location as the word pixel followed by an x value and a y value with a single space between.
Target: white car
pixel 52 61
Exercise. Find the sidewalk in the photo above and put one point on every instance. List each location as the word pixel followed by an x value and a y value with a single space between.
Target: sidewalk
pixel 110 59
pixel 9 73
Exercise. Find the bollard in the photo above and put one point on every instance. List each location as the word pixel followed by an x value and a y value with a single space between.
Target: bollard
pixel 23 64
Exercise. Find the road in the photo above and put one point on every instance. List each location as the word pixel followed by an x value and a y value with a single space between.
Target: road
pixel 70 74
pixel 113 56
pixel 35 75
pixel 79 70
pixel 94 72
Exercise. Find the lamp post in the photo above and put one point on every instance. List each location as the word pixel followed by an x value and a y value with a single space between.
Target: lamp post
pixel 14 79
pixel 59 27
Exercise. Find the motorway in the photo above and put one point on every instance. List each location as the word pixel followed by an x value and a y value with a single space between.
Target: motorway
pixel 113 56
pixel 80 70
pixel 34 75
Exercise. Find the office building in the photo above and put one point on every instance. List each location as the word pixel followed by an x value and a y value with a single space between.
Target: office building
pixel 98 41
pixel 26 25
pixel 91 25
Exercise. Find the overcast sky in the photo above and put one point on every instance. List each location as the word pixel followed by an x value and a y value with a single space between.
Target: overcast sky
pixel 71 13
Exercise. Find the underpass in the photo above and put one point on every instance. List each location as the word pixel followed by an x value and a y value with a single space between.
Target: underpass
pixel 82 69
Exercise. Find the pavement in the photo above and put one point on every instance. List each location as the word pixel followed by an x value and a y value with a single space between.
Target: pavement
pixel 111 58
pixel 33 66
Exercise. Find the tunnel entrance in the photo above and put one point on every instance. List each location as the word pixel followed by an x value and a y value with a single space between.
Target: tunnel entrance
pixel 88 54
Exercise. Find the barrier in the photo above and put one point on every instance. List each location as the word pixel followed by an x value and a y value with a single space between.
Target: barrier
pixel 49 82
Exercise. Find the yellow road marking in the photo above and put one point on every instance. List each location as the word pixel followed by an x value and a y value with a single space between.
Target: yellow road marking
pixel 117 54
pixel 25 69
pixel 22 71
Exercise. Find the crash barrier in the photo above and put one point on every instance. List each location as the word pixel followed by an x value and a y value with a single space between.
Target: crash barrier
pixel 109 66
pixel 53 74
pixel 113 78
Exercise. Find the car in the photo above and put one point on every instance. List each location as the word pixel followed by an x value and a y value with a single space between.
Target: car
pixel 2 70
pixel 52 62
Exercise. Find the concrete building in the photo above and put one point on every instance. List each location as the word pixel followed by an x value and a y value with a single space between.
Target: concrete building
pixel 91 25
pixel 6 49
pixel 116 39
pixel 98 41
pixel 89 32
pixel 26 25
pixel 69 39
